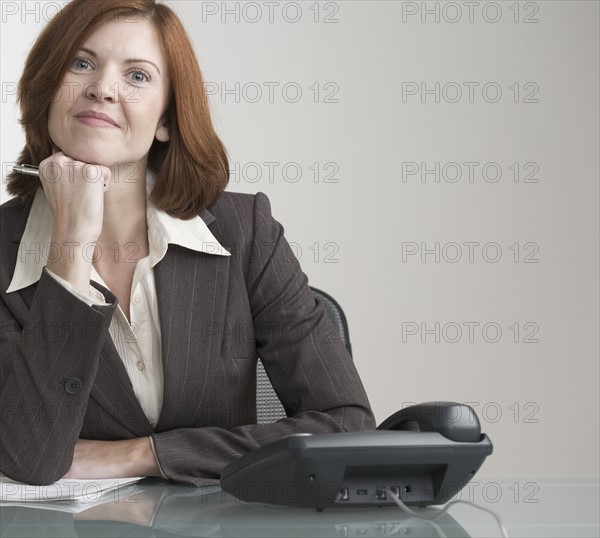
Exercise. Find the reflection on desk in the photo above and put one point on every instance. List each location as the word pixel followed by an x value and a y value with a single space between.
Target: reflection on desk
pixel 158 508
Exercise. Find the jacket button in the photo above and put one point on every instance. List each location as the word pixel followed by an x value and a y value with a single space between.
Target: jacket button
pixel 73 385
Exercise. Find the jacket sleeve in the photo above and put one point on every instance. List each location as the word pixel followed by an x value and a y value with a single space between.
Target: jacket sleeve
pixel 48 363
pixel 308 365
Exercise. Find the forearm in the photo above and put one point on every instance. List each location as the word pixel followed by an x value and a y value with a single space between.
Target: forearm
pixel 48 366
pixel 198 455
pixel 113 459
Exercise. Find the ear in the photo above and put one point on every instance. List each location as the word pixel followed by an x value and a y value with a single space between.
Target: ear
pixel 162 132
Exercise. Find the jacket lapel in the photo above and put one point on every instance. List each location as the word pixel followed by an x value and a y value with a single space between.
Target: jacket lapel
pixel 192 293
pixel 9 251
pixel 113 392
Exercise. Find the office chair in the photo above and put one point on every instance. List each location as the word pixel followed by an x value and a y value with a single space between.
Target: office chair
pixel 268 406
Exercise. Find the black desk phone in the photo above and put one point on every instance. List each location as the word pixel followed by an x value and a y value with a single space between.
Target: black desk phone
pixel 425 454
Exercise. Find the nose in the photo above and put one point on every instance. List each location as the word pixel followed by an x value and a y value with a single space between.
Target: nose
pixel 103 88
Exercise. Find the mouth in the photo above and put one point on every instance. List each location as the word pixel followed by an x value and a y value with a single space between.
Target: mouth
pixel 96 119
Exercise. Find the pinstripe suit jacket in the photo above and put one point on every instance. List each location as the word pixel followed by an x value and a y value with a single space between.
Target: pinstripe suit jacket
pixel 62 379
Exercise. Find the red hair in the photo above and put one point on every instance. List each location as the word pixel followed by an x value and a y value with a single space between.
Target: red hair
pixel 192 168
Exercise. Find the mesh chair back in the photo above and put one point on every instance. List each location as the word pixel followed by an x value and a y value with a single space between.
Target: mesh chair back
pixel 268 406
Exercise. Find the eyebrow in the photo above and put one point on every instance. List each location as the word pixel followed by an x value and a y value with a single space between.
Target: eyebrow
pixel 128 61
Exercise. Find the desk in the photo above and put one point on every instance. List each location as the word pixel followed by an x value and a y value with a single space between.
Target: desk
pixel 561 508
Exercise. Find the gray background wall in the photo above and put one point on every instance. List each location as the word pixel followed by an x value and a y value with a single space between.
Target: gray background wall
pixel 476 283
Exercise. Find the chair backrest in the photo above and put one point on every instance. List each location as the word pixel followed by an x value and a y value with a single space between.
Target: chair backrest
pixel 268 406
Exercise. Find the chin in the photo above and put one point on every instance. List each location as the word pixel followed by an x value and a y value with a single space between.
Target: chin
pixel 92 159
pixel 102 154
pixel 90 155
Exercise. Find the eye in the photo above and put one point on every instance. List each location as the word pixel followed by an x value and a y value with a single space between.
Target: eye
pixel 140 76
pixel 81 64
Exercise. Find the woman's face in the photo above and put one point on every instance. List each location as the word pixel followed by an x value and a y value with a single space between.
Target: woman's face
pixel 120 74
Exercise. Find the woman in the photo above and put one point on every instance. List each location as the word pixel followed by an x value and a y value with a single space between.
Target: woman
pixel 129 341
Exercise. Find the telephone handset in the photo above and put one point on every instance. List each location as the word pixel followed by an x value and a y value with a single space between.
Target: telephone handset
pixel 456 422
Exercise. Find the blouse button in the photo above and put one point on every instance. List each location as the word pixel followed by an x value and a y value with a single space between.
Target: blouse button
pixel 140 365
pixel 137 299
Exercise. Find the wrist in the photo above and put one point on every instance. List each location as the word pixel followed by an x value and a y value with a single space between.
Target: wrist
pixel 71 261
pixel 142 459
